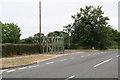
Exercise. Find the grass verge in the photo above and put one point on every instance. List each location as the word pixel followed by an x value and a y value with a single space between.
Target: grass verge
pixel 23 60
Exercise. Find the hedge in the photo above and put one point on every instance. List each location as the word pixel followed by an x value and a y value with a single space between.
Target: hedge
pixel 19 49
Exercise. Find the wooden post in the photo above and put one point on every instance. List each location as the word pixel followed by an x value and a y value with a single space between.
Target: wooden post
pixel 40 24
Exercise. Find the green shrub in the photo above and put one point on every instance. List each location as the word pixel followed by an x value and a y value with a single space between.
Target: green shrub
pixel 19 49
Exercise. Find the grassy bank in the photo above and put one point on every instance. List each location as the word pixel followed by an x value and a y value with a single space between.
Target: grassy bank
pixel 22 60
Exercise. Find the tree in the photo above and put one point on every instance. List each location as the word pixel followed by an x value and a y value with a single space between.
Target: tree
pixel 0 32
pixel 37 37
pixel 10 33
pixel 55 33
pixel 33 40
pixel 68 28
pixel 91 29
pixel 118 39
pixel 28 40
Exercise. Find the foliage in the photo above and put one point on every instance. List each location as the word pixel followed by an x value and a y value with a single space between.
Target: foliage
pixel 37 37
pixel 68 28
pixel 91 29
pixel 19 49
pixel 118 39
pixel 55 33
pixel 28 40
pixel 10 33
pixel 31 40
pixel 0 33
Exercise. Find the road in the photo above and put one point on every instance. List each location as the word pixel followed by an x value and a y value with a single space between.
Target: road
pixel 78 64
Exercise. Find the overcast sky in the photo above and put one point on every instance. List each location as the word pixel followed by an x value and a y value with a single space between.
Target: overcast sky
pixel 55 13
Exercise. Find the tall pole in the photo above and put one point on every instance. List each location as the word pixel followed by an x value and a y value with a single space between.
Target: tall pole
pixel 69 39
pixel 40 24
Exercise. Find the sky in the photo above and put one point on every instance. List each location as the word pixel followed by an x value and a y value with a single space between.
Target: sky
pixel 55 13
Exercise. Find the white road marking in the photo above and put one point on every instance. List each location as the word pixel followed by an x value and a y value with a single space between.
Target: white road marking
pixel 70 77
pixel 4 70
pixel 33 66
pixel 49 62
pixel 11 70
pixel 63 60
pixel 117 55
pixel 103 62
pixel 22 68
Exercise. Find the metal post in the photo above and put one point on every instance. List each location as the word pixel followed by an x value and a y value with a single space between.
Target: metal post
pixel 69 39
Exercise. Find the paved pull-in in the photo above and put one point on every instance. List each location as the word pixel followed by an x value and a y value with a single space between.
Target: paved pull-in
pixel 85 64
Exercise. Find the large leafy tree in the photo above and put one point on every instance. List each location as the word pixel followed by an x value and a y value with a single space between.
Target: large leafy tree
pixel 91 29
pixel 118 39
pixel 10 33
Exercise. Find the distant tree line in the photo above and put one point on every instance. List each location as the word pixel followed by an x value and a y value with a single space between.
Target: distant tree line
pixel 11 34
pixel 32 40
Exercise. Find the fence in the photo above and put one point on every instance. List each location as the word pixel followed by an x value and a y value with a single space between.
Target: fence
pixel 52 44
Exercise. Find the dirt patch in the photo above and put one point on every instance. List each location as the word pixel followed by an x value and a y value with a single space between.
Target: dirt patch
pixel 22 60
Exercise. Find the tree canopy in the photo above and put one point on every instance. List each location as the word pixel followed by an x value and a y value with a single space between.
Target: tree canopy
pixel 10 33
pixel 55 33
pixel 91 29
pixel 31 40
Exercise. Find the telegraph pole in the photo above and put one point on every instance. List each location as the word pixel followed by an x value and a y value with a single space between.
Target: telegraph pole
pixel 40 24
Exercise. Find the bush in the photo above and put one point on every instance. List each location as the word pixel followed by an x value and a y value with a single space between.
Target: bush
pixel 19 49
